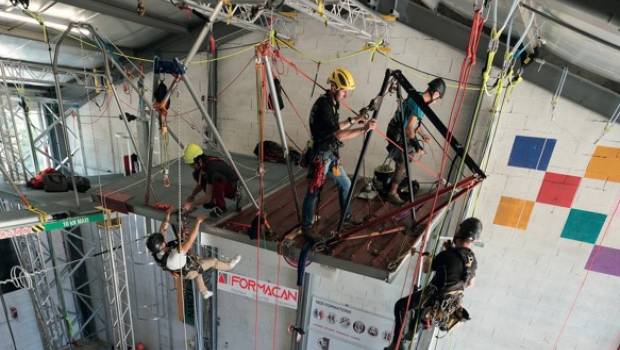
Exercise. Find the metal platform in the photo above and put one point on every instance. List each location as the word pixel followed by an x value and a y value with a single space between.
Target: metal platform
pixel 379 256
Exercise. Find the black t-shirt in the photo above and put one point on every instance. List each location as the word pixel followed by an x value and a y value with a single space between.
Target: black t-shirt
pixel 449 267
pixel 324 123
pixel 214 170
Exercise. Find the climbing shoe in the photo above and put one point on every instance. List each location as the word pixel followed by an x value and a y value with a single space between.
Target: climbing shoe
pixel 310 232
pixel 394 199
pixel 206 294
pixel 235 261
pixel 351 221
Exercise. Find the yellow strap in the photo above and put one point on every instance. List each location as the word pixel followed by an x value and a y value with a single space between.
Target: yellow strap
pixel 375 46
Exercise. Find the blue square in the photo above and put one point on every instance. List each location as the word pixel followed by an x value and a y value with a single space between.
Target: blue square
pixel 531 152
pixel 583 226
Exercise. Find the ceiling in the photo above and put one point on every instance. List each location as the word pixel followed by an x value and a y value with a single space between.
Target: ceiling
pixel 575 48
pixel 594 57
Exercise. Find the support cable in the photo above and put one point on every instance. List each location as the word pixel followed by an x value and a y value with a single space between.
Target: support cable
pixel 612 121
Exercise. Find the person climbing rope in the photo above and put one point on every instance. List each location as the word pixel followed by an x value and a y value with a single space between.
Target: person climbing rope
pixel 328 133
pixel 413 119
pixel 175 256
pixel 455 269
pixel 213 176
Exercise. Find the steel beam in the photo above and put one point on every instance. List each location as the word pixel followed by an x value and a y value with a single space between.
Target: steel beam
pixel 113 10
pixel 277 113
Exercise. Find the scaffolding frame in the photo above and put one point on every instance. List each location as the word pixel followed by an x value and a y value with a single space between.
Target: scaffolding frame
pixel 66 309
pixel 116 282
pixel 251 17
pixel 348 16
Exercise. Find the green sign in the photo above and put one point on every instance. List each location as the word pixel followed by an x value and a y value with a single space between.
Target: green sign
pixel 68 222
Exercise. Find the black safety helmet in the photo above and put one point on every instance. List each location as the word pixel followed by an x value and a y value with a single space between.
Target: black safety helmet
pixel 469 230
pixel 156 242
pixel 438 85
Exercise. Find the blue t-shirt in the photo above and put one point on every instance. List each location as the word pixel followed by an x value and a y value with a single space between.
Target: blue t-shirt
pixel 411 108
pixel 396 123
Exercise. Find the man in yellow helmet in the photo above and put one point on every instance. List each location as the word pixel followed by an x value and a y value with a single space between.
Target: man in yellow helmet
pixel 328 133
pixel 213 176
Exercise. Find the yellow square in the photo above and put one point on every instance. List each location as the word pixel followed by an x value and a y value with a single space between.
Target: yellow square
pixel 513 212
pixel 604 164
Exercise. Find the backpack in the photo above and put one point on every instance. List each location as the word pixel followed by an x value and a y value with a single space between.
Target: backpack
pixel 36 181
pixel 82 184
pixel 272 152
pixel 55 182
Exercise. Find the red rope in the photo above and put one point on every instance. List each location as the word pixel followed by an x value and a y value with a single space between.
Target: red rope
pixel 468 61
pixel 261 110
pixel 583 282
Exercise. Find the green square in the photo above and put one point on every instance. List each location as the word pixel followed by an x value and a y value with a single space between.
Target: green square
pixel 583 226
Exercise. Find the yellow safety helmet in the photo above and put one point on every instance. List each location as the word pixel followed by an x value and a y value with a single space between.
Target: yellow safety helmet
pixel 342 78
pixel 191 151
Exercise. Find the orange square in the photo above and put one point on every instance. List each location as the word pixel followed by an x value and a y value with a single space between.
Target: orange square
pixel 604 164
pixel 513 212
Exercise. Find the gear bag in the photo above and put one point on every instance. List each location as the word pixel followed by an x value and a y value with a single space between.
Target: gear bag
pixel 82 184
pixel 273 152
pixel 55 182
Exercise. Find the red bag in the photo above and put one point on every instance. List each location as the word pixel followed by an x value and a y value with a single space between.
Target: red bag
pixel 36 182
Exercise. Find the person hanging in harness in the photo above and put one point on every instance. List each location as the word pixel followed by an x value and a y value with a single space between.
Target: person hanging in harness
pixel 455 269
pixel 213 176
pixel 328 134
pixel 413 120
pixel 175 256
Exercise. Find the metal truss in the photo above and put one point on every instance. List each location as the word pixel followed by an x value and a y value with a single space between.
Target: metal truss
pixel 20 73
pixel 248 16
pixel 24 152
pixel 348 16
pixel 116 286
pixel 31 252
pixel 10 150
pixel 78 284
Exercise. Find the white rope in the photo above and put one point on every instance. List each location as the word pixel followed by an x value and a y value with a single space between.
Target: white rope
pixel 614 118
pixel 558 90
pixel 513 7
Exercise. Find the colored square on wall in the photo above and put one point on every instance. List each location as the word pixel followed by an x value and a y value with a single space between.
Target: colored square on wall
pixel 583 226
pixel 513 212
pixel 604 164
pixel 558 189
pixel 531 152
pixel 604 260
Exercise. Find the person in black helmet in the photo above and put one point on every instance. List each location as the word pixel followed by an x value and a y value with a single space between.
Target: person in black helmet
pixel 413 119
pixel 455 269
pixel 175 256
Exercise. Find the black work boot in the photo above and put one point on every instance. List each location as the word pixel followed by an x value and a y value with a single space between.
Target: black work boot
pixel 310 232
pixel 349 221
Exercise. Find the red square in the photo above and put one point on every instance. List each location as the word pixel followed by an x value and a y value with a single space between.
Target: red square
pixel 558 189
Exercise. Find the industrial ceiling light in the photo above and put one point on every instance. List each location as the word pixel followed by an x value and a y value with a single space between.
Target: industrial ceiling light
pixel 49 24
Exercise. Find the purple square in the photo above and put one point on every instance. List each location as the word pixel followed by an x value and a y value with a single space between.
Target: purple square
pixel 604 260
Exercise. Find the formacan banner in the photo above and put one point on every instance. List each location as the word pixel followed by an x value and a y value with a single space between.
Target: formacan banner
pixel 248 287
